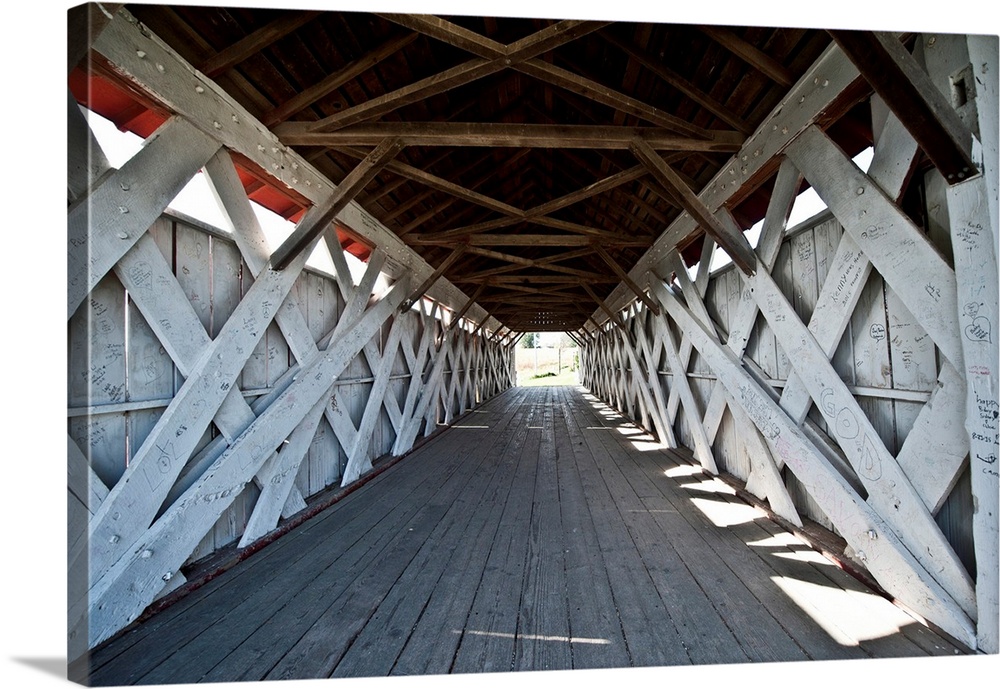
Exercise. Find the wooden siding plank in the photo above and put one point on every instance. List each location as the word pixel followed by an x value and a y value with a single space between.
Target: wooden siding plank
pixel 702 445
pixel 744 315
pixel 358 461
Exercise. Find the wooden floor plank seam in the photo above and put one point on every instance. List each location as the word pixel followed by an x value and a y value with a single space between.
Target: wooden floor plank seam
pixel 724 650
pixel 483 480
pixel 455 466
pixel 689 562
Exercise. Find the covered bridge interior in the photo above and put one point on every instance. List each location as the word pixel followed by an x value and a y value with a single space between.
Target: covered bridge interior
pixel 472 179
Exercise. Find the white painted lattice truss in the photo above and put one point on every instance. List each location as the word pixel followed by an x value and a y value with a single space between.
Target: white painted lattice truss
pixel 851 379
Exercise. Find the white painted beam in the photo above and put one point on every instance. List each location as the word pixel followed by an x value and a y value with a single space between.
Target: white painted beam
pixel 898 249
pixel 876 543
pixel 105 223
pixel 150 560
pixel 145 61
pixel 889 490
pixel 135 499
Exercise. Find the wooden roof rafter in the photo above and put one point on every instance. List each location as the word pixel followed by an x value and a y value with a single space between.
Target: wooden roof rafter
pixel 523 50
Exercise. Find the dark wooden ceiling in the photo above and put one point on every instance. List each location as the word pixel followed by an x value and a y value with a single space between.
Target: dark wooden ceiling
pixel 517 174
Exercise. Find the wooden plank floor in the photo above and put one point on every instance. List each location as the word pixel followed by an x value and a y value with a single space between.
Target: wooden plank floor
pixel 542 532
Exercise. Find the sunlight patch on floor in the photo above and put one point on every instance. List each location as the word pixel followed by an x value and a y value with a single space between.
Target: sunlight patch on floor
pixel 724 514
pixel 647 445
pixel 682 471
pixel 535 637
pixel 778 541
pixel 710 485
pixel 842 614
pixel 807 555
pixel 629 430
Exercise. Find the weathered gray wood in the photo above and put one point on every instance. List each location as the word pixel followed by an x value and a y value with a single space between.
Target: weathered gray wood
pixel 320 650
pixel 430 397
pixel 302 344
pixel 889 561
pixel 812 97
pixel 718 617
pixel 83 23
pixel 332 82
pixel 763 467
pixel 765 480
pixel 397 601
pixel 914 358
pixel 85 160
pixel 700 286
pixel 741 322
pixel 934 453
pixel 97 359
pixel 645 392
pixel 427 599
pixel 81 479
pixel 702 446
pixel 290 319
pixel 848 274
pixel 840 294
pixel 911 94
pixel 587 573
pixel 407 433
pixel 312 225
pixel 753 56
pixel 734 243
pixel 105 223
pixel 973 223
pixel 254 42
pixel 653 383
pixel 503 135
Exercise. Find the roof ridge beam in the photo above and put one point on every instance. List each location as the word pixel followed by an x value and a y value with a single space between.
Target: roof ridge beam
pixel 501 135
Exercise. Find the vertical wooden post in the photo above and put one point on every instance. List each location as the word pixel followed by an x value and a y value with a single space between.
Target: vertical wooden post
pixel 973 222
